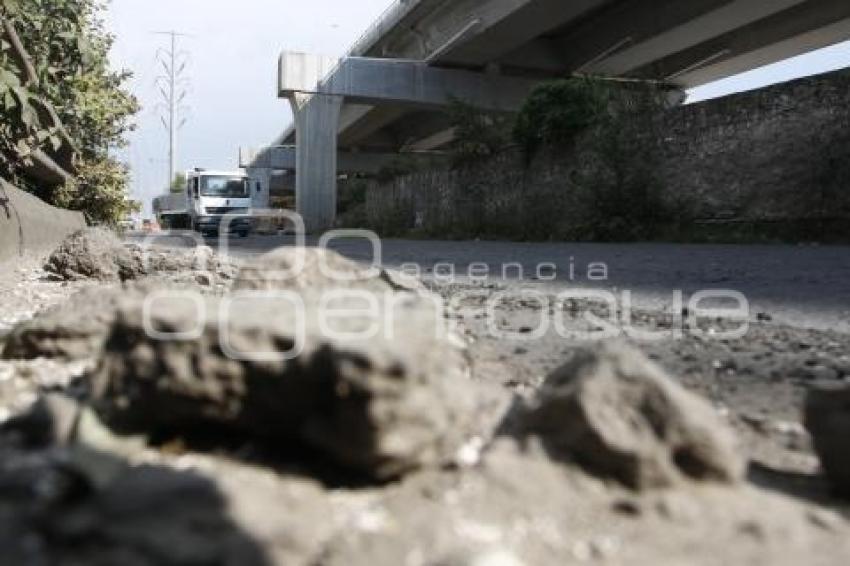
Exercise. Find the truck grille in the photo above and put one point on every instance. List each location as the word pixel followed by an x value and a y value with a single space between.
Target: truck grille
pixel 221 211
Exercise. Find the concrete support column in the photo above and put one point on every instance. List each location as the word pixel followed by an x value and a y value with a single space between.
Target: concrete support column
pixel 316 125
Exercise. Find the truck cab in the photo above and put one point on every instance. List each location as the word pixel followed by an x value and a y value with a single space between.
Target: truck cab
pixel 220 200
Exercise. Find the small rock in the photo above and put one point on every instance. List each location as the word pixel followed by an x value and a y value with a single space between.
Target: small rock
pixel 601 548
pixel 627 507
pixel 204 279
pixel 678 507
pixel 788 428
pixel 759 423
pixel 825 519
pixel 815 371
pixel 617 414
pixel 58 420
pixel 494 557
pixel 754 530
pixel 827 417
pixel 51 420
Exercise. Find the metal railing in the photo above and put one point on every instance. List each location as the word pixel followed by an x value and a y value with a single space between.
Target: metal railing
pixel 388 18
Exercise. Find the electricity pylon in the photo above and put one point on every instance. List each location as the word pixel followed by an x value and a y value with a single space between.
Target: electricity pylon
pixel 173 86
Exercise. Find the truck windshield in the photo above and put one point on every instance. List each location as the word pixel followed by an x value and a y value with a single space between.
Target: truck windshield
pixel 225 187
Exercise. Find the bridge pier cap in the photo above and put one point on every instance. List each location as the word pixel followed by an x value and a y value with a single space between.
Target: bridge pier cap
pixel 371 81
pixel 302 72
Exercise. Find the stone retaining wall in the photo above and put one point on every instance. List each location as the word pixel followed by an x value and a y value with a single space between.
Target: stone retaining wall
pixel 777 159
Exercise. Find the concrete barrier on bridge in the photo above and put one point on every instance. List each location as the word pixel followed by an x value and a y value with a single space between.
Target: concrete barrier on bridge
pixel 28 224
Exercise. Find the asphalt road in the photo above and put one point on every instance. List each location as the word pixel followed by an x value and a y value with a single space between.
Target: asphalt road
pixel 807 286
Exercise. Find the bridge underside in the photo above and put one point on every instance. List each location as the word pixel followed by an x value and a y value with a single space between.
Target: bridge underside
pixel 391 97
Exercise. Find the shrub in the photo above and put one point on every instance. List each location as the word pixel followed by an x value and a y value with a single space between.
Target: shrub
pixel 351 203
pixel 99 190
pixel 479 134
pixel 395 221
pixel 618 170
pixel 398 167
pixel 557 111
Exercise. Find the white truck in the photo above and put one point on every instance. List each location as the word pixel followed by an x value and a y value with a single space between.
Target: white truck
pixel 212 200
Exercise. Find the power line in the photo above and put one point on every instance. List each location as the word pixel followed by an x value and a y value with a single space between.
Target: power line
pixel 174 87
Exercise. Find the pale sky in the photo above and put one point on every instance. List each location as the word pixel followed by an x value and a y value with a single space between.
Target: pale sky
pixel 234 47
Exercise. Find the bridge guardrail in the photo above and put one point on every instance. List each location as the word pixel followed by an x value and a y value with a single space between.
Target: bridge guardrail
pixel 392 14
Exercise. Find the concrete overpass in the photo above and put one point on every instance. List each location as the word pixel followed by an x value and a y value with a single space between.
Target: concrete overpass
pixel 389 94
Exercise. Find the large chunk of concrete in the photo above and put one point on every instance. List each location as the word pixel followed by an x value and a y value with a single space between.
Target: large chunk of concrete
pixel 92 253
pixel 618 415
pixel 75 330
pixel 380 403
pixel 98 254
pixel 318 269
pixel 828 420
pixel 201 264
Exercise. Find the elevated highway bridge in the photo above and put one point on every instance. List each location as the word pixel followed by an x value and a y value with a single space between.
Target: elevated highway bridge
pixel 390 93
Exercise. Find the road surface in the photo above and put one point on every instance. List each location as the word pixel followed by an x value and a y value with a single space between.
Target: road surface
pixel 804 286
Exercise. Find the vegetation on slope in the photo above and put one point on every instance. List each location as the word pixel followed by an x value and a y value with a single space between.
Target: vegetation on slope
pixel 59 98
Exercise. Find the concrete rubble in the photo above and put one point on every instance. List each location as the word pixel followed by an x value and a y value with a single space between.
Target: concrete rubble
pixel 828 420
pixel 64 502
pixel 319 269
pixel 92 253
pixel 166 423
pixel 614 412
pixel 98 254
pixel 379 403
pixel 74 330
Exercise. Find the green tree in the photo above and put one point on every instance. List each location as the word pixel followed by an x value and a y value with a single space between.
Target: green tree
pixel 59 95
pixel 178 184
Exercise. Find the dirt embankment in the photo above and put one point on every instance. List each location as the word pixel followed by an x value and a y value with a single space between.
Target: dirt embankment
pixel 180 431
